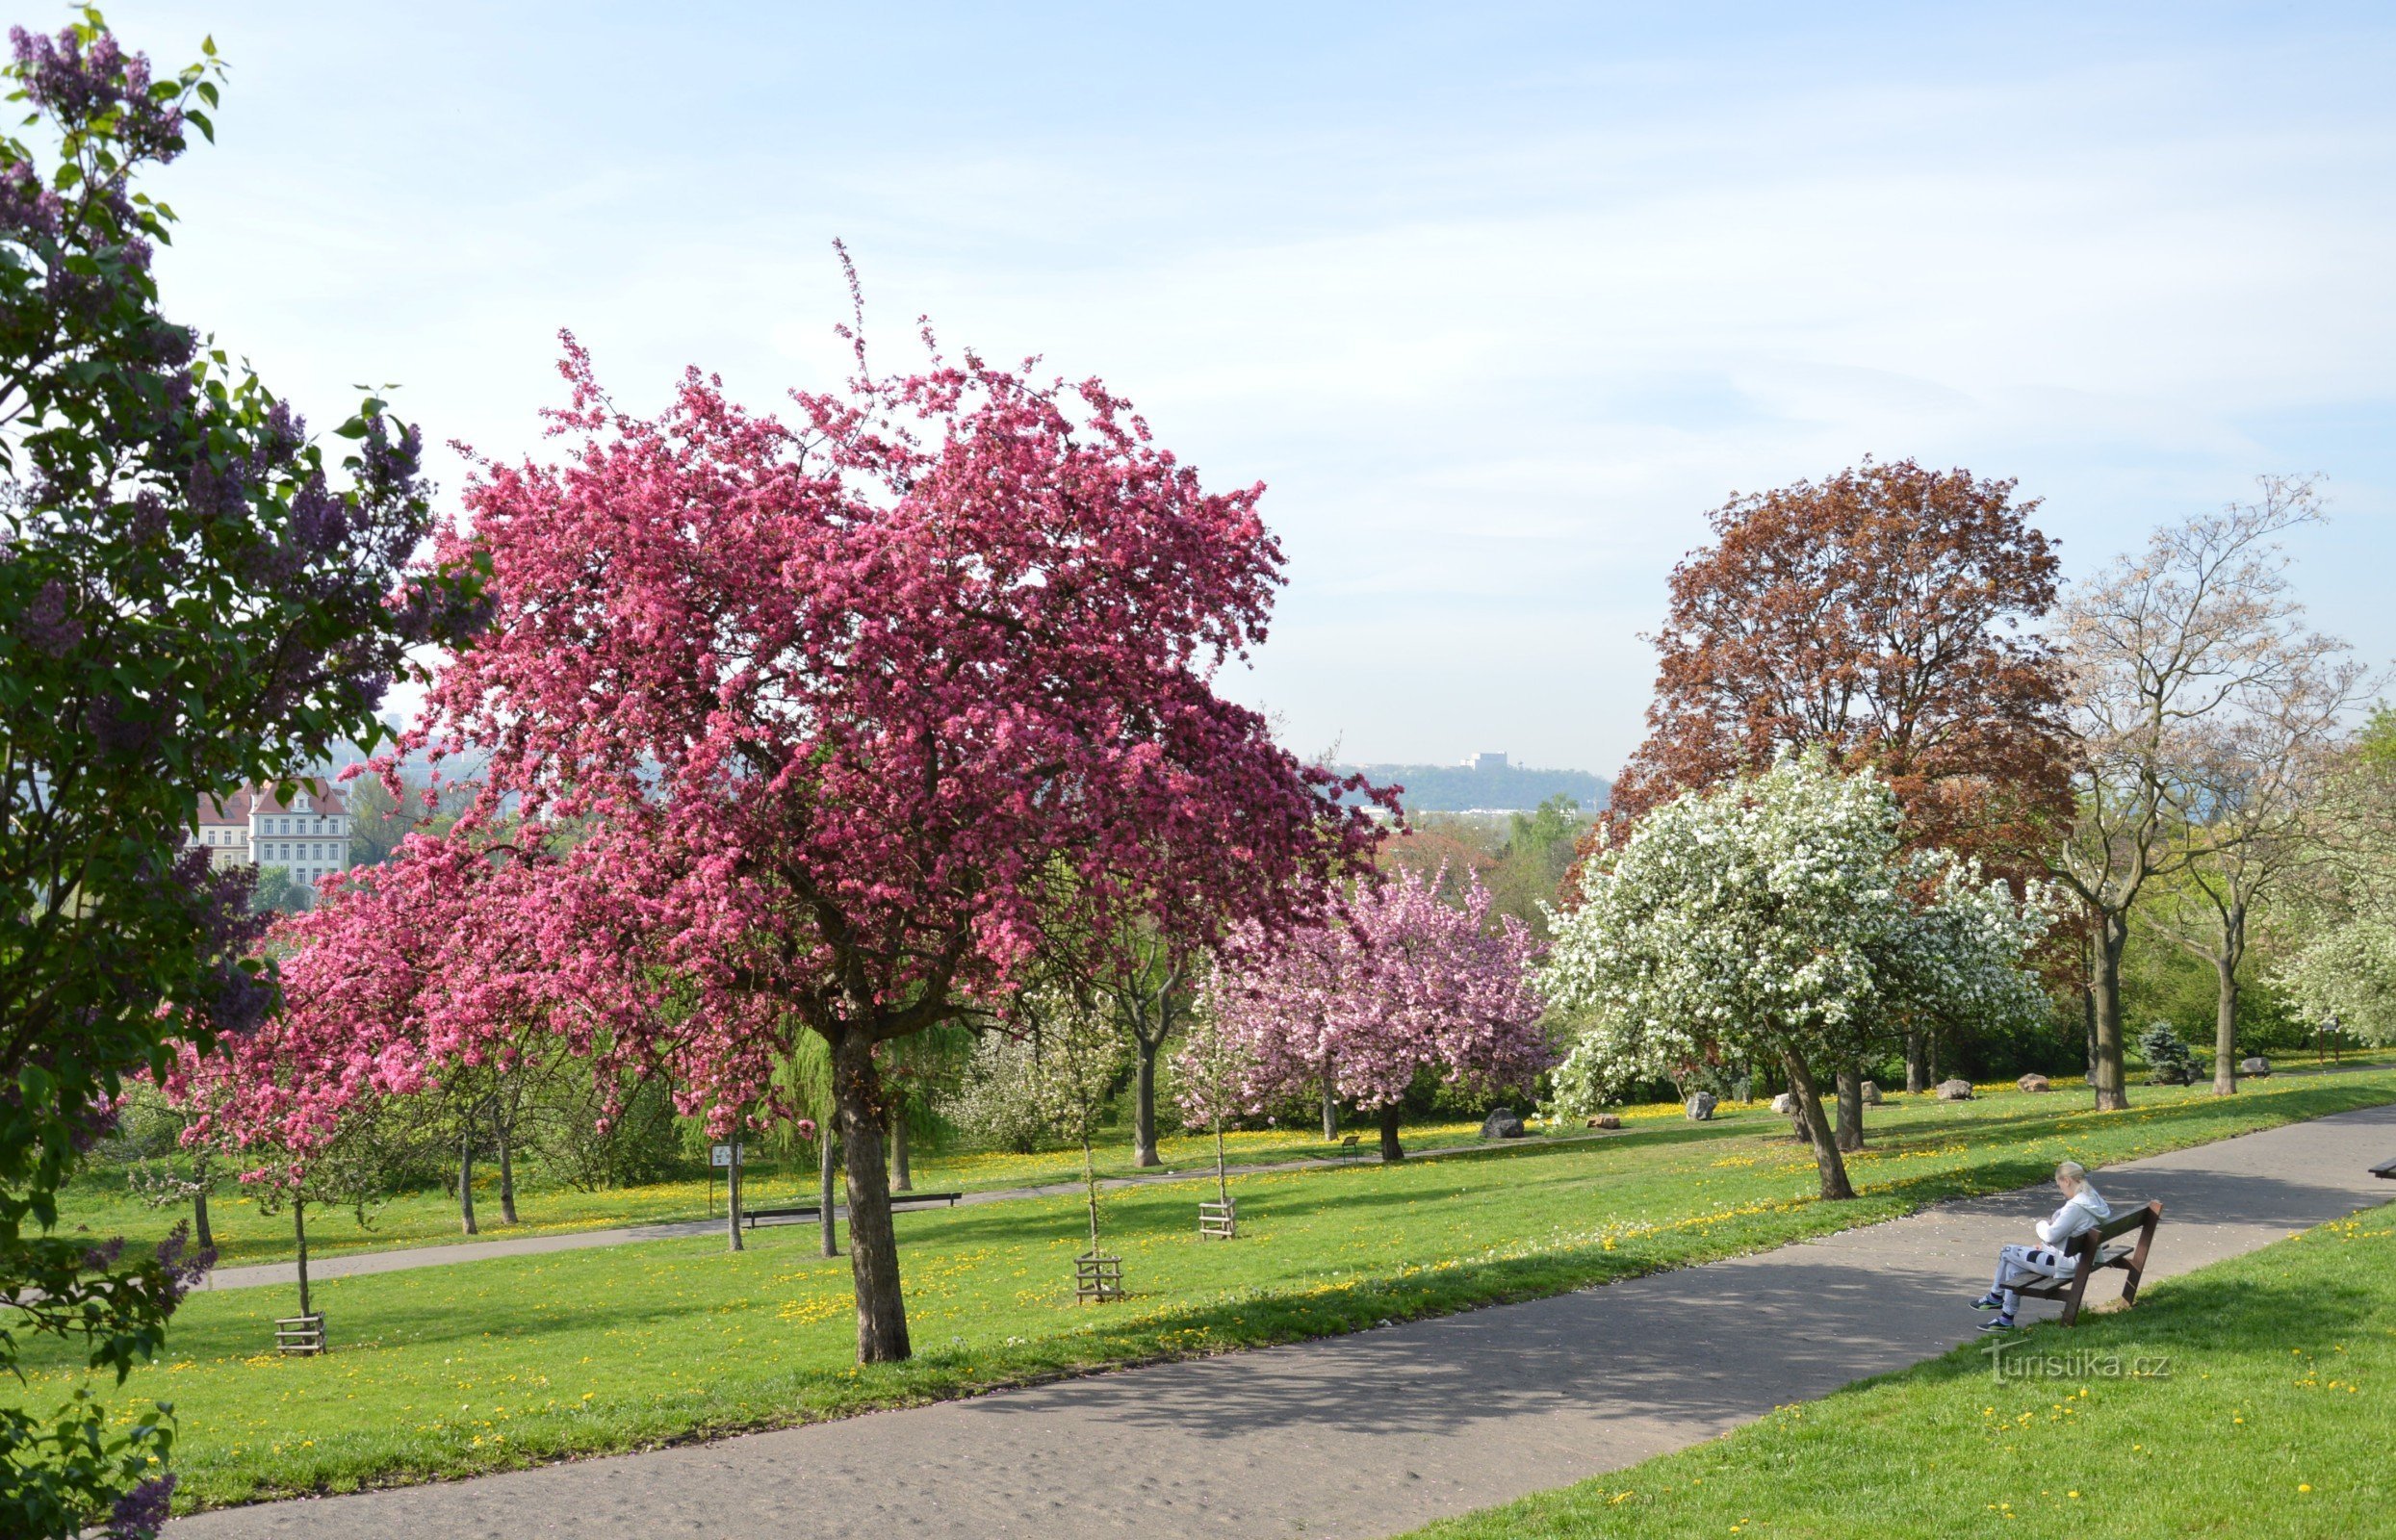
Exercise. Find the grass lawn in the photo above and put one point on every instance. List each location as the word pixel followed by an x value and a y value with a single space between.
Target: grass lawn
pixel 98 1203
pixel 445 1370
pixel 2255 1397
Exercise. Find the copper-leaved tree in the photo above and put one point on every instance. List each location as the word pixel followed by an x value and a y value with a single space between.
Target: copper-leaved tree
pixel 857 717
pixel 1879 613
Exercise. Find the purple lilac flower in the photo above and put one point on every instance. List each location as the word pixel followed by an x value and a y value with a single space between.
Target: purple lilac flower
pixel 47 626
pixel 140 1513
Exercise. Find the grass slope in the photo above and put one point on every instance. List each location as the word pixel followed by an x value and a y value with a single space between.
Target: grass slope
pixel 98 1203
pixel 448 1371
pixel 2254 1398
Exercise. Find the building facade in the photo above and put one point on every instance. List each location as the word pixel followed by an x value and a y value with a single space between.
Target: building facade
pixel 309 837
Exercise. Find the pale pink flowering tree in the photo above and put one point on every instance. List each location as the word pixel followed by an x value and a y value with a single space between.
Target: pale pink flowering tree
pixel 856 718
pixel 1357 1008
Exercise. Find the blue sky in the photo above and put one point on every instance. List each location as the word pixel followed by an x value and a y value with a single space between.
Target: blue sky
pixel 1497 300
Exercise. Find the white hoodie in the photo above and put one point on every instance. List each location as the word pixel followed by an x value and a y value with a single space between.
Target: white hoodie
pixel 2086 1210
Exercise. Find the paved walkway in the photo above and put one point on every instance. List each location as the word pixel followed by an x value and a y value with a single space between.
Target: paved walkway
pixel 1370 1434
pixel 349 1264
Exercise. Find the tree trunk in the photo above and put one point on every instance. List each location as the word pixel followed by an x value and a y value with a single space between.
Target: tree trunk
pixel 873 1244
pixel 2225 1003
pixel 1330 1113
pixel 2106 994
pixel 1090 1184
pixel 1850 1109
pixel 1826 1160
pixel 1144 1102
pixel 507 1178
pixel 466 1180
pixel 1390 1150
pixel 299 1228
pixel 902 1175
pixel 1917 1062
pixel 201 1236
pixel 732 1200
pixel 824 1205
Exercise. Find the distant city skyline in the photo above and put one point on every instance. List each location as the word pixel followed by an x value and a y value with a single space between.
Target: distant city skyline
pixel 1497 301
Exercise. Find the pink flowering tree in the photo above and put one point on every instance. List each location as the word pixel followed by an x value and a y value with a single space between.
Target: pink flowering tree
pixel 859 716
pixel 412 976
pixel 297 1105
pixel 1357 1010
pixel 437 957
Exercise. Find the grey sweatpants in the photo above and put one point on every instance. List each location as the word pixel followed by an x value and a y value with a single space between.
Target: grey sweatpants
pixel 2020 1265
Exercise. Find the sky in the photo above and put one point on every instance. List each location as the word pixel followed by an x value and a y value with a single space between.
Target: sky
pixel 1497 300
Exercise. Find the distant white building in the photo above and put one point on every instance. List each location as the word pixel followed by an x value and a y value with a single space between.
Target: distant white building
pixel 310 837
pixel 1487 761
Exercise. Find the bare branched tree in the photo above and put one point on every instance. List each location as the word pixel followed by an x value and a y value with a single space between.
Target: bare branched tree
pixel 2157 643
pixel 2253 798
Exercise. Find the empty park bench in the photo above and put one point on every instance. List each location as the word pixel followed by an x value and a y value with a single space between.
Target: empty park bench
pixel 2387 1169
pixel 749 1219
pixel 1348 1147
pixel 2098 1249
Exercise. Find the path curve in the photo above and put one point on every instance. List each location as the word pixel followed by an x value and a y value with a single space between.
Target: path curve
pixel 1374 1433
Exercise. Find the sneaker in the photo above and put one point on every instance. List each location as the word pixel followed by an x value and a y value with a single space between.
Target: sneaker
pixel 1988 1301
pixel 2000 1324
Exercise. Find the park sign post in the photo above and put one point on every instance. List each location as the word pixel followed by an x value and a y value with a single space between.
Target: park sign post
pixel 728 1158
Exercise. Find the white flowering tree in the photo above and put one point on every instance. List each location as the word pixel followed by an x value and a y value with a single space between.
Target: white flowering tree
pixel 1775 918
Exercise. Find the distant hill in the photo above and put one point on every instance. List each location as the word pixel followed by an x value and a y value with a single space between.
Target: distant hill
pixel 1459 788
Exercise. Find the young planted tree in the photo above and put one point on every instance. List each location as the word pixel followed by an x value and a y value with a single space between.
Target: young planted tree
pixel 2161 644
pixel 1211 1075
pixel 1077 1059
pixel 1776 919
pixel 836 707
pixel 298 1137
pixel 1401 984
pixel 190 599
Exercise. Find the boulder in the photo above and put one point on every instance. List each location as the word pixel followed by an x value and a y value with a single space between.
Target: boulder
pixel 2035 1083
pixel 1503 1124
pixel 1786 1103
pixel 1605 1120
pixel 2259 1067
pixel 1699 1108
pixel 1872 1093
pixel 1954 1091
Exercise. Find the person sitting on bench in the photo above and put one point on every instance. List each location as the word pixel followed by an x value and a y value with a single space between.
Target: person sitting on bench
pixel 2083 1209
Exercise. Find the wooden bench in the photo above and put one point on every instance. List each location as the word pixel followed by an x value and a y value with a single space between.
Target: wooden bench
pixel 751 1218
pixel 1348 1147
pixel 2387 1169
pixel 2100 1248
